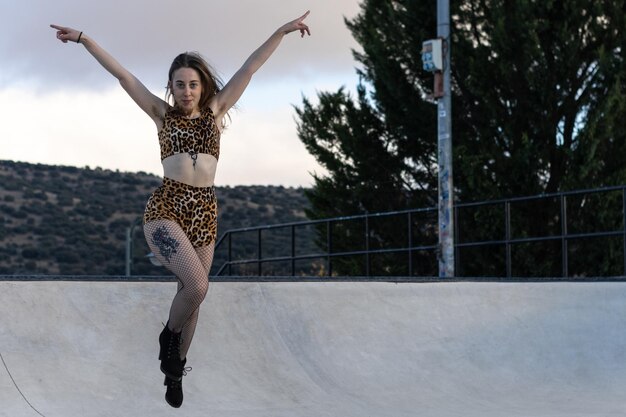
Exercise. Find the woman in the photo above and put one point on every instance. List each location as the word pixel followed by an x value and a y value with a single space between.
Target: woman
pixel 180 220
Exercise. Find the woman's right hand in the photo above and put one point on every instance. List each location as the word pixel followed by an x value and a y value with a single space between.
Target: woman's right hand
pixel 65 34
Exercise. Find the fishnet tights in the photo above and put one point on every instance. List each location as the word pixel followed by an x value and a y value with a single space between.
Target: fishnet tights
pixel 191 267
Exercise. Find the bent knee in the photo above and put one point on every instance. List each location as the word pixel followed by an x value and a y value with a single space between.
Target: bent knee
pixel 197 290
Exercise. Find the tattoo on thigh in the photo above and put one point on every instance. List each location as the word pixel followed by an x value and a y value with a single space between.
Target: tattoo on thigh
pixel 167 245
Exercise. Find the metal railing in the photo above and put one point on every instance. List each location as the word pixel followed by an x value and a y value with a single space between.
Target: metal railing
pixel 500 216
pixel 327 255
pixel 563 235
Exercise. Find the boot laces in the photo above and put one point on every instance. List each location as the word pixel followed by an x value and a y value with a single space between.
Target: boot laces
pixel 173 384
pixel 173 347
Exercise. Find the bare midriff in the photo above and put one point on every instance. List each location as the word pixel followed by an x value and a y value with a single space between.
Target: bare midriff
pixel 180 167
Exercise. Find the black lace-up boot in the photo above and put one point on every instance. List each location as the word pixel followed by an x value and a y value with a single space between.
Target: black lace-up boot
pixel 169 355
pixel 174 392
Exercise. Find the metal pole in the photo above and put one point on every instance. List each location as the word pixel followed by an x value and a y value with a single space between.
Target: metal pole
pixel 260 268
pixel 129 247
pixel 329 247
pixel 446 195
pixel 367 246
pixel 230 254
pixel 130 233
pixel 410 243
pixel 624 226
pixel 564 243
pixel 507 238
pixel 293 250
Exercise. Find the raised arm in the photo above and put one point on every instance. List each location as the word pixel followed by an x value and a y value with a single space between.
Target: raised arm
pixel 148 102
pixel 235 87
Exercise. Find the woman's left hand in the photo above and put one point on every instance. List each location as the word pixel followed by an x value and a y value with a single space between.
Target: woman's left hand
pixel 297 24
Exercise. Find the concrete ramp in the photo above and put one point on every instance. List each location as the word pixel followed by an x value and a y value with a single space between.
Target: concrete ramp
pixel 89 349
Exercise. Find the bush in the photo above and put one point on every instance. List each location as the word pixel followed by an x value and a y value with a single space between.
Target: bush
pixel 31 253
pixel 66 256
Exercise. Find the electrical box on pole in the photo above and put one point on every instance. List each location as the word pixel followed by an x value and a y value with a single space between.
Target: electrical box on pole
pixel 432 61
pixel 432 55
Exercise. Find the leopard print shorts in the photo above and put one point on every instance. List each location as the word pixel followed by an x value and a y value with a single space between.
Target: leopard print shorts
pixel 194 209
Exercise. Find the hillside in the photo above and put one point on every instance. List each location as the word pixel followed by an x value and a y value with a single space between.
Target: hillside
pixel 73 221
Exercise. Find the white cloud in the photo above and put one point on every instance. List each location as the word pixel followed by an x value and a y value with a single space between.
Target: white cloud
pixel 146 35
pixel 78 128
pixel 106 129
pixel 63 108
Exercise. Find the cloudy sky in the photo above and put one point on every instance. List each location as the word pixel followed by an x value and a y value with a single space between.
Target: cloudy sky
pixel 60 107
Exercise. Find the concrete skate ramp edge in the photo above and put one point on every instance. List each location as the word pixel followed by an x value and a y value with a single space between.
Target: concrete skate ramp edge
pixel 319 349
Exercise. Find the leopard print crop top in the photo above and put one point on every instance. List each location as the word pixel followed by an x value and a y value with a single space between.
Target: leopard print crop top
pixel 192 136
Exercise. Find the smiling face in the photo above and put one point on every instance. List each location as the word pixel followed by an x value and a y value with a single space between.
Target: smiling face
pixel 187 90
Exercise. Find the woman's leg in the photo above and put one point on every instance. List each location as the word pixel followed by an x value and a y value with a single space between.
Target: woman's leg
pixel 206 257
pixel 173 249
